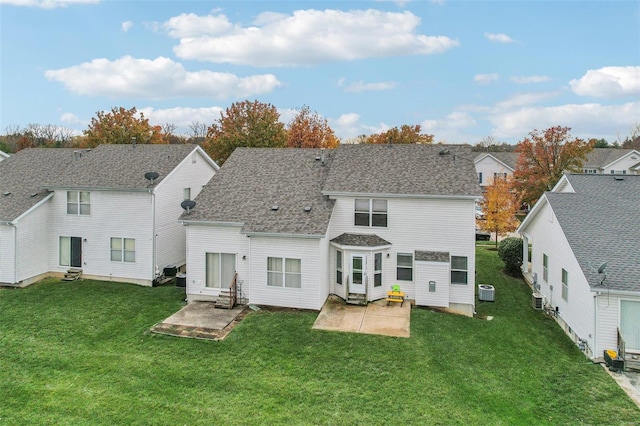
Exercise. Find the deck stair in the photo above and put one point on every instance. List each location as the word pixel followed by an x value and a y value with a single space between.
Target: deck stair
pixel 357 299
pixel 225 299
pixel 631 364
pixel 72 274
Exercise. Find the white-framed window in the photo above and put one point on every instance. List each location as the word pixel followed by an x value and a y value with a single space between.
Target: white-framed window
pixel 545 267
pixel 404 267
pixel 377 269
pixel 497 176
pixel 79 203
pixel 565 285
pixel 123 249
pixel 219 269
pixel 480 178
pixel 65 251
pixel 370 212
pixel 338 267
pixel 186 194
pixel 284 272
pixel 459 270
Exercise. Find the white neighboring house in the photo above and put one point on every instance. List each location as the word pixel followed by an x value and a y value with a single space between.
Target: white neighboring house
pixel 585 224
pixel 96 211
pixel 297 225
pixel 491 165
pixel 3 155
pixel 612 161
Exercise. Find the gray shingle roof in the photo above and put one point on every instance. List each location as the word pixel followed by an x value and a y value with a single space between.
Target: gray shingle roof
pixel 601 221
pixel 601 157
pixel 253 180
pixel 432 256
pixel 403 170
pixel 360 240
pixel 34 170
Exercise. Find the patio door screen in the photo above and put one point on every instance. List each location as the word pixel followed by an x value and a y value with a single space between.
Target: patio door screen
pixel 629 320
pixel 220 269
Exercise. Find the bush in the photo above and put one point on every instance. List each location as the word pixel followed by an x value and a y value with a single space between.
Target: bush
pixel 510 251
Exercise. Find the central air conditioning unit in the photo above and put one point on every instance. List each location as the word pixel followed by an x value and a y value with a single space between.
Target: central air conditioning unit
pixel 537 300
pixel 486 293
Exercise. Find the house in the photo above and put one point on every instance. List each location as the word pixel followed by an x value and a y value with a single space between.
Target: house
pixel 3 155
pixel 98 210
pixel 585 258
pixel 297 225
pixel 612 161
pixel 491 165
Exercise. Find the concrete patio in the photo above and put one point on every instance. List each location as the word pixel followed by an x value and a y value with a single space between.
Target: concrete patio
pixel 201 320
pixel 375 318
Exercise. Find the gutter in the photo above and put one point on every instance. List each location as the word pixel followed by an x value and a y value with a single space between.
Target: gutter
pixel 386 195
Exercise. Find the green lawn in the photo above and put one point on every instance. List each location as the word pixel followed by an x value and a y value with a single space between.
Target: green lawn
pixel 80 353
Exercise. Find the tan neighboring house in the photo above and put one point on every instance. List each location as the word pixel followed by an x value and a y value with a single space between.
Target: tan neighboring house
pixel 490 165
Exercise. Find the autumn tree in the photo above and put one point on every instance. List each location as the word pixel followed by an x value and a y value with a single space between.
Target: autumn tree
pixel 543 157
pixel 309 130
pixel 499 206
pixel 121 126
pixel 404 134
pixel 245 123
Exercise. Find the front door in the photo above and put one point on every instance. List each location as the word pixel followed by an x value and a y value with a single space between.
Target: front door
pixel 358 273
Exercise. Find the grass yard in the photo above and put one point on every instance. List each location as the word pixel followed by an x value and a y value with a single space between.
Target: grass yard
pixel 80 353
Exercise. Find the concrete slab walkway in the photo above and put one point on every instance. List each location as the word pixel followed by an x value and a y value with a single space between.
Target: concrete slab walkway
pixel 375 318
pixel 201 320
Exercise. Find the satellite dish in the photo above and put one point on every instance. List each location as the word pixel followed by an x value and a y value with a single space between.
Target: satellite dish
pixel 602 268
pixel 151 176
pixel 188 205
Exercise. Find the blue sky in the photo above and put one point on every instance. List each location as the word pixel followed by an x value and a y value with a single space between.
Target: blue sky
pixel 463 70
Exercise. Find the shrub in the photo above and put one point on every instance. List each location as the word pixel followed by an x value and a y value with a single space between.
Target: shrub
pixel 510 251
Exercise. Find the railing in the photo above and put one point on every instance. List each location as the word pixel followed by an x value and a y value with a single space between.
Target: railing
pixel 233 291
pixel 621 346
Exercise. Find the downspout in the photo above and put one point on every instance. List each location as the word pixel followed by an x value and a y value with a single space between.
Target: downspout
pixel 15 252
pixel 154 267
pixel 595 325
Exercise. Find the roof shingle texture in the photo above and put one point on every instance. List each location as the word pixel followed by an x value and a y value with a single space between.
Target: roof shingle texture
pixel 406 169
pixel 600 157
pixel 432 256
pixel 360 240
pixel 36 170
pixel 601 221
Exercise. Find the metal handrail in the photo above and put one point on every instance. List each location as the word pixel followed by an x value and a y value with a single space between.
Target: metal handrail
pixel 621 346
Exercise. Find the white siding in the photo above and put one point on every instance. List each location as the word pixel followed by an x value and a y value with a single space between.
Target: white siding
pixel 547 237
pixel 488 166
pixel 608 320
pixel 7 258
pixel 171 240
pixel 215 239
pixel 32 232
pixel 623 164
pixel 433 271
pixel 312 294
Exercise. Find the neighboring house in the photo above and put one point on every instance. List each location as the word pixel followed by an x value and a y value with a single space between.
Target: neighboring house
pixel 612 161
pixel 3 155
pixel 491 165
pixel 585 224
pixel 297 225
pixel 95 210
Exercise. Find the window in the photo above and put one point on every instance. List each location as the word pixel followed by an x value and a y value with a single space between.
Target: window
pixel 194 158
pixel 565 285
pixel 377 270
pixel 480 178
pixel 220 269
pixel 459 270
pixel 338 267
pixel 78 202
pixel 497 176
pixel 545 267
pixel 290 276
pixel 186 194
pixel 370 212
pixel 123 250
pixel 432 286
pixel 405 267
pixel 65 251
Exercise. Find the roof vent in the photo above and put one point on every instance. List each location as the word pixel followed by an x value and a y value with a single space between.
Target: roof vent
pixel 275 207
pixel 151 176
pixel 33 194
pixel 307 209
pixel 6 193
pixel 618 178
pixel 188 205
pixel 444 152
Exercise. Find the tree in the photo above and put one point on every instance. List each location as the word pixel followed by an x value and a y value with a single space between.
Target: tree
pixel 37 135
pixel 499 206
pixel 543 157
pixel 309 130
pixel 121 126
pixel 599 143
pixel 404 134
pixel 197 132
pixel 244 123
pixel 633 140
pixel 510 252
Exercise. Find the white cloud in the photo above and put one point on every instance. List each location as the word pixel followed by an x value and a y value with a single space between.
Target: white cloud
pixel 47 4
pixel 522 99
pixel 526 79
pixel 349 126
pixel 182 116
pixel 586 120
pixel 608 82
pixel 159 78
pixel 304 38
pixel 485 78
pixel 126 26
pixel 499 38
pixel 451 128
pixel 361 86
pixel 70 118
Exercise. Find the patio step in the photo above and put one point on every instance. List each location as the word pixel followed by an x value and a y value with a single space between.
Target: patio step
pixel 631 364
pixel 357 299
pixel 224 299
pixel 72 274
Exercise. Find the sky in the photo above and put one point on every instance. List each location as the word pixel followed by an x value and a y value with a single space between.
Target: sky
pixel 463 70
